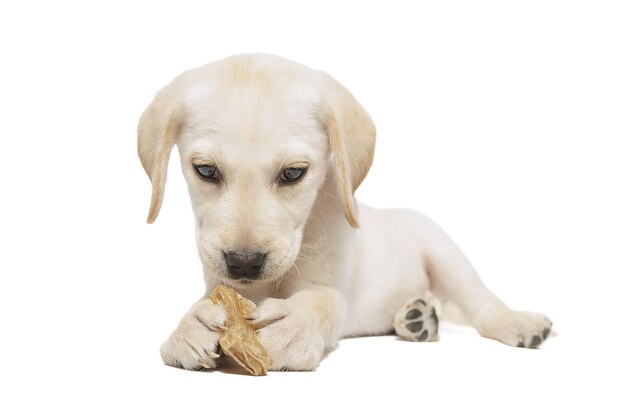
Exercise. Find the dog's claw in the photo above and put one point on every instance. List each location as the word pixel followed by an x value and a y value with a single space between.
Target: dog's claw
pixel 204 364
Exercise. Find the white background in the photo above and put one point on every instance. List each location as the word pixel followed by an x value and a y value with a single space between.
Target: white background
pixel 504 121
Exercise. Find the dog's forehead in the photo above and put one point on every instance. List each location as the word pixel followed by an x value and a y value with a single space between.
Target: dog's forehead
pixel 245 120
pixel 239 125
pixel 257 93
pixel 279 148
pixel 244 114
pixel 244 109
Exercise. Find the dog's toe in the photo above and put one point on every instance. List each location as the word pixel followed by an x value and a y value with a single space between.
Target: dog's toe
pixel 518 328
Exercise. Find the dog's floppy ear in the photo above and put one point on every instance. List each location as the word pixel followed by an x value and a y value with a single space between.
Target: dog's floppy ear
pixel 352 136
pixel 158 128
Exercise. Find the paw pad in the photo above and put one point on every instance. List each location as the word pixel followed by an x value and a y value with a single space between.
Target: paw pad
pixel 417 321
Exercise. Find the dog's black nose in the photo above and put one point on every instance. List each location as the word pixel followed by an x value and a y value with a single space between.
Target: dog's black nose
pixel 244 264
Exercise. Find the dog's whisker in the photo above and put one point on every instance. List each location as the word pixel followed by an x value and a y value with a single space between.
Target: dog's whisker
pixel 297 270
pixel 304 245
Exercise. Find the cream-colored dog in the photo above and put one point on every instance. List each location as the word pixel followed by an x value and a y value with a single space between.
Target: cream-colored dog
pixel 272 152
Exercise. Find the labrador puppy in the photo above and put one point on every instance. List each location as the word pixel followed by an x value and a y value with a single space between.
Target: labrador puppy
pixel 272 152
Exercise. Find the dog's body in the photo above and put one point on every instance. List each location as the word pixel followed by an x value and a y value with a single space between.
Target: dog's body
pixel 272 152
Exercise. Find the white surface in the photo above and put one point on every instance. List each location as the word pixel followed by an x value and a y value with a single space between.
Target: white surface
pixel 504 122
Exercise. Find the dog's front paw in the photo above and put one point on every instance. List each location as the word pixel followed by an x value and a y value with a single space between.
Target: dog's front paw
pixel 293 339
pixel 193 345
pixel 518 328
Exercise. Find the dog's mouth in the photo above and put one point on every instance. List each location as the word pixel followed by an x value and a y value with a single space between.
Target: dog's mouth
pixel 235 280
pixel 241 282
pixel 246 279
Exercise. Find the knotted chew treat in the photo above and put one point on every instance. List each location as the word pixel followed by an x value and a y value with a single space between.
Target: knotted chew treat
pixel 240 341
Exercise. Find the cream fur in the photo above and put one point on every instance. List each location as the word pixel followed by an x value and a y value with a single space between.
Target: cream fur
pixel 334 268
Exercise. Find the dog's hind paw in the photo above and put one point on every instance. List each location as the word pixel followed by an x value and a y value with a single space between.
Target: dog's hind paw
pixel 417 320
pixel 517 328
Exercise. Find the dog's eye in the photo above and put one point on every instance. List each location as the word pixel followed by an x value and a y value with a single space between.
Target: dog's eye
pixel 292 174
pixel 207 172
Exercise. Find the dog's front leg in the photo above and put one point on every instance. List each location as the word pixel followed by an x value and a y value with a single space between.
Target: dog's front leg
pixel 193 345
pixel 300 330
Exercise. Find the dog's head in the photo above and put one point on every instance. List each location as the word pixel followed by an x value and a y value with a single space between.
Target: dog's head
pixel 257 136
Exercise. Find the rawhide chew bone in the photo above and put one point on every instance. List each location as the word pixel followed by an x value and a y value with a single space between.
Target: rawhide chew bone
pixel 240 341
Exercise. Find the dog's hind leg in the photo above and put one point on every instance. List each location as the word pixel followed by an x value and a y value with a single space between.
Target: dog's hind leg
pixel 453 277
pixel 451 313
